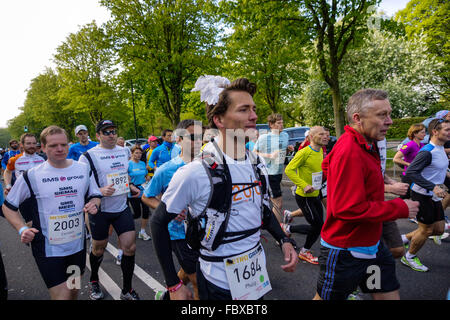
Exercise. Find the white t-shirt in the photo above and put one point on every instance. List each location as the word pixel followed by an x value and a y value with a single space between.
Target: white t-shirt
pixel 60 195
pixel 190 188
pixel 110 163
pixel 26 162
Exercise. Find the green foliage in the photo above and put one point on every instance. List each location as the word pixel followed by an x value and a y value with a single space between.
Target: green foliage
pixel 431 18
pixel 5 136
pixel 167 45
pixel 400 127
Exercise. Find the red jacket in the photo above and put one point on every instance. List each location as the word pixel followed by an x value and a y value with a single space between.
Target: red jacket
pixel 355 205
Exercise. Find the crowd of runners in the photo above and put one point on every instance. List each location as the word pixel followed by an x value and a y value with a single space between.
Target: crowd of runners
pixel 205 193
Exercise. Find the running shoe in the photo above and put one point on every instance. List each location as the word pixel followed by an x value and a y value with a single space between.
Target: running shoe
pixel 308 257
pixel 95 292
pixel 285 228
pixel 436 239
pixel 162 295
pixel 354 296
pixel 132 295
pixel 119 259
pixel 287 218
pixel 414 264
pixel 144 236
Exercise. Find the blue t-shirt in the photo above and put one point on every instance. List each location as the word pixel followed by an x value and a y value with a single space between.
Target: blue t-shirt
pixel 137 173
pixel 159 184
pixel 9 154
pixel 77 149
pixel 269 143
pixel 250 145
pixel 162 154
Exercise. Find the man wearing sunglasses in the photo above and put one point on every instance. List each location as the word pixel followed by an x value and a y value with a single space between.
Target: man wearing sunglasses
pixel 189 139
pixel 109 164
pixel 427 172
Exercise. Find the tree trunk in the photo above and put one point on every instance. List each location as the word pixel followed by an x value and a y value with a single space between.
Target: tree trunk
pixel 338 108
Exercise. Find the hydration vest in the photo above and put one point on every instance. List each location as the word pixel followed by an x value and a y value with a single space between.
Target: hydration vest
pixel 209 229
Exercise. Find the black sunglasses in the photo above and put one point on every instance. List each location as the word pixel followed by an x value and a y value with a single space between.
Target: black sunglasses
pixel 107 133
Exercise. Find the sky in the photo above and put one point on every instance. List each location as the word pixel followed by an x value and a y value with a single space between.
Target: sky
pixel 31 30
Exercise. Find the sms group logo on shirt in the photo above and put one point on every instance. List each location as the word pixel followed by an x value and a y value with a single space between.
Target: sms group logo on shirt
pixel 62 178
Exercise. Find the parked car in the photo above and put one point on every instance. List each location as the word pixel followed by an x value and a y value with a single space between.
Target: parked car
pixel 131 142
pixel 296 135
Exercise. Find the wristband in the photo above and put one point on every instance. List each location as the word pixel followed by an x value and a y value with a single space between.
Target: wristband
pixel 22 230
pixel 175 288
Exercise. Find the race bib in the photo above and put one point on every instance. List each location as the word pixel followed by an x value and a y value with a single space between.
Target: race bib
pixel 281 156
pixel 317 180
pixel 247 274
pixel 120 181
pixel 63 228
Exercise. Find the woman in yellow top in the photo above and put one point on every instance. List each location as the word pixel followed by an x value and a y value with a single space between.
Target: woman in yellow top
pixel 305 170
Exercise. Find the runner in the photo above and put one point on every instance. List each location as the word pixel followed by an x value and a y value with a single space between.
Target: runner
pixel 121 143
pixel 427 171
pixel 356 208
pixel 152 144
pixel 137 171
pixel 3 280
pixel 58 188
pixel 190 144
pixel 235 258
pixel 109 164
pixel 305 170
pixel 18 164
pixel 408 151
pixel 272 147
pixel 84 144
pixel 13 151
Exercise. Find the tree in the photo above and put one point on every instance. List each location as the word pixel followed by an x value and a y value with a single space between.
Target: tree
pixel 400 66
pixel 86 63
pixel 335 26
pixel 5 136
pixel 431 18
pixel 265 48
pixel 168 44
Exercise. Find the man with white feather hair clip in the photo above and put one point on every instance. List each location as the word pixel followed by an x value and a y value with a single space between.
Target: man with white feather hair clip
pixel 225 194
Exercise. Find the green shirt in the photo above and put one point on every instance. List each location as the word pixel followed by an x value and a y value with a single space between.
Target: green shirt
pixel 306 165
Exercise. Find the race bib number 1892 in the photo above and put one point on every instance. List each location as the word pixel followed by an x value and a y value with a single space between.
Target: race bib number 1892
pixel 247 274
pixel 120 181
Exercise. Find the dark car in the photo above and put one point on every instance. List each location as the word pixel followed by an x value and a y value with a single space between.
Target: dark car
pixel 296 135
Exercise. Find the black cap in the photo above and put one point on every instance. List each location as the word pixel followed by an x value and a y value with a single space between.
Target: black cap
pixel 103 124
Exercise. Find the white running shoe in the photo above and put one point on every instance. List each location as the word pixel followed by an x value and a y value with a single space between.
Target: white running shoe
pixel 144 236
pixel 287 218
pixel 414 264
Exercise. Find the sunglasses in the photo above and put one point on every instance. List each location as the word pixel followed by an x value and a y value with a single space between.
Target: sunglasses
pixel 109 132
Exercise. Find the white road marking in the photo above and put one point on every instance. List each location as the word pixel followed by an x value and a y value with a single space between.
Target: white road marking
pixel 139 272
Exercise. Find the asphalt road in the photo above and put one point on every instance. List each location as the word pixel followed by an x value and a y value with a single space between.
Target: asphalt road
pixel 25 282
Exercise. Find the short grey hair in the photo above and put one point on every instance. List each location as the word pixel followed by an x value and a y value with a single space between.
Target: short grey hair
pixel 361 100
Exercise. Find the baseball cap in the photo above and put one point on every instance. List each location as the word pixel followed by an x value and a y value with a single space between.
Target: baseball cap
pixel 152 138
pixel 80 127
pixel 103 124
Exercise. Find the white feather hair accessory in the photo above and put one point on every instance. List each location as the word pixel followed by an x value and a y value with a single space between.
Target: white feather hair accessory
pixel 210 87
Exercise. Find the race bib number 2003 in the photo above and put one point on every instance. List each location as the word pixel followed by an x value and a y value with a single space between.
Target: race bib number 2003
pixel 66 227
pixel 247 275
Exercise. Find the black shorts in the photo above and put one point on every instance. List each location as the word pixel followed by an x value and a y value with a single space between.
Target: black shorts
pixel 429 211
pixel 186 256
pixel 275 184
pixel 391 235
pixel 55 270
pixel 121 221
pixel 341 273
